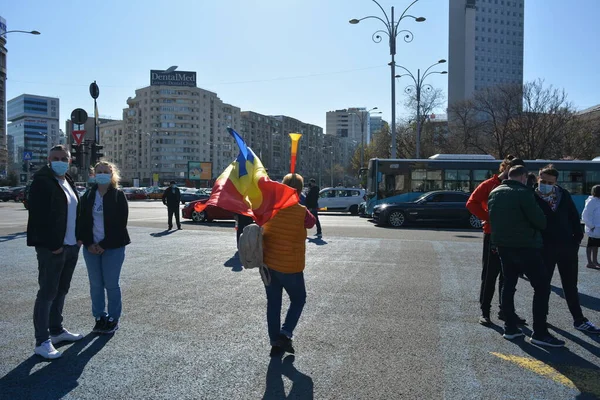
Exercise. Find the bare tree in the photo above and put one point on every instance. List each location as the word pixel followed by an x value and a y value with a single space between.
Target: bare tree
pixel 542 126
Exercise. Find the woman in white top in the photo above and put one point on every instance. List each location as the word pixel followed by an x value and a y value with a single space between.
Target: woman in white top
pixel 102 228
pixel 591 219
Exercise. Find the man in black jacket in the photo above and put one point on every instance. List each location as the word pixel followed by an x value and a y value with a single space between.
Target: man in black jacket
pixel 312 203
pixel 562 237
pixel 171 198
pixel 53 206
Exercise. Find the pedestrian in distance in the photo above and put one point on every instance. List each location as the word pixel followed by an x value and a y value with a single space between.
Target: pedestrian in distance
pixel 284 248
pixel 171 198
pixel 517 221
pixel 591 219
pixel 562 237
pixel 491 266
pixel 103 231
pixel 312 203
pixel 51 229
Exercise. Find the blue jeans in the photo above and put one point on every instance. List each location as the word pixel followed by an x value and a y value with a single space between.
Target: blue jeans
pixel 104 271
pixel 296 290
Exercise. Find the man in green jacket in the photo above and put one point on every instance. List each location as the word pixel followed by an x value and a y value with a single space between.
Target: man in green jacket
pixel 517 222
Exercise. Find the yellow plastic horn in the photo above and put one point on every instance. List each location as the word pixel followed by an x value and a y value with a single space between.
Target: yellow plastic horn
pixel 295 138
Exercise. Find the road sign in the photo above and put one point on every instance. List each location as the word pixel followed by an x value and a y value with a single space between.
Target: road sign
pixel 27 155
pixel 94 90
pixel 23 178
pixel 79 116
pixel 78 136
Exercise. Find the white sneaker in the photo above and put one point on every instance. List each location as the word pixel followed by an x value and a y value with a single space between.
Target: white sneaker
pixel 47 351
pixel 66 336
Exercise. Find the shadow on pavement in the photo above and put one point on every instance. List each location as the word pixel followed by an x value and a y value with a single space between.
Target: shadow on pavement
pixel 302 385
pixel 234 263
pixel 166 232
pixel 589 302
pixel 13 236
pixel 56 379
pixel 317 241
pixel 578 370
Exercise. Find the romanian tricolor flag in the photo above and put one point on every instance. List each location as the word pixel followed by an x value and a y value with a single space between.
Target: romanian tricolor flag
pixel 244 188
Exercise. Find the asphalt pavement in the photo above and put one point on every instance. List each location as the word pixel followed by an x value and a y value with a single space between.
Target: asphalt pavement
pixel 390 314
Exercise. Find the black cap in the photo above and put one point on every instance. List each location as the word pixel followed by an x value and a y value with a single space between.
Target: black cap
pixel 312 180
pixel 172 182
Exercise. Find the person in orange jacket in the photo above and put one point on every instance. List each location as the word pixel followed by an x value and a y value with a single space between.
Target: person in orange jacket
pixel 492 267
pixel 284 248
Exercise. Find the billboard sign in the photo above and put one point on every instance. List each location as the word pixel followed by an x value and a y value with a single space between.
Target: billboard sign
pixel 199 171
pixel 175 78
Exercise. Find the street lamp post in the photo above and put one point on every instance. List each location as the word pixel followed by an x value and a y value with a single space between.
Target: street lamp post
pixel 417 87
pixel 392 32
pixel 18 31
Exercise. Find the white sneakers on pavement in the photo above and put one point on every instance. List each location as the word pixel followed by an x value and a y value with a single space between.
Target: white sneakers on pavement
pixel 47 350
pixel 66 336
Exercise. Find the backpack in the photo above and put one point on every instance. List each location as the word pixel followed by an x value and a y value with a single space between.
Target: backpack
pixel 251 251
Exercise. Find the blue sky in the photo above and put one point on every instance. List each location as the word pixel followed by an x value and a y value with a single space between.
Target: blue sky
pixel 299 58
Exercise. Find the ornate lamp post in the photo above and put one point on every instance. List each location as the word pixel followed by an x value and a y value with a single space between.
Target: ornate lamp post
pixel 417 87
pixel 392 32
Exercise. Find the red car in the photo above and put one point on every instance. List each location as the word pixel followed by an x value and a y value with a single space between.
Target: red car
pixel 135 194
pixel 208 214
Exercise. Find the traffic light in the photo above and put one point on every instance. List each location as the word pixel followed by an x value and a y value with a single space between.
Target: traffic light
pixel 77 155
pixel 96 153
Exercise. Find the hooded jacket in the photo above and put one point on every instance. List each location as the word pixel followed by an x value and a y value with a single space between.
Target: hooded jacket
pixel 48 210
pixel 591 216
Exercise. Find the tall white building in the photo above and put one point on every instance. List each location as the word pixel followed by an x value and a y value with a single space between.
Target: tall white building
pixel 352 123
pixel 168 124
pixel 485 45
pixel 34 127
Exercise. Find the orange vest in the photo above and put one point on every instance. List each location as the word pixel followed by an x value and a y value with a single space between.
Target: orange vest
pixel 284 240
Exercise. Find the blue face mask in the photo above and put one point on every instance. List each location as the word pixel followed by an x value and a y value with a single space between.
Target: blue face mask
pixel 59 167
pixel 92 179
pixel 103 179
pixel 545 189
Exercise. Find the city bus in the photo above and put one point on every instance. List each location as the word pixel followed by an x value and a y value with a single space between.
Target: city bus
pixel 401 180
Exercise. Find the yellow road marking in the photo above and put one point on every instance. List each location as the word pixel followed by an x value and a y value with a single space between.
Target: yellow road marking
pixel 584 379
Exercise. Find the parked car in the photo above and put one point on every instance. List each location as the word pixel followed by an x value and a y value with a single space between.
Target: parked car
pixel 135 194
pixel 341 199
pixel 209 214
pixel 443 206
pixel 155 193
pixel 15 192
pixel 5 194
pixel 193 195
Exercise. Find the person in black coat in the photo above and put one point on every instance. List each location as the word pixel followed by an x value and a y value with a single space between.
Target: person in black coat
pixel 103 231
pixel 53 203
pixel 312 203
pixel 171 198
pixel 562 237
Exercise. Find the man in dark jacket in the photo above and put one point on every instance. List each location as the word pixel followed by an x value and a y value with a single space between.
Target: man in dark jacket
pixel 312 203
pixel 171 198
pixel 53 206
pixel 562 237
pixel 516 222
